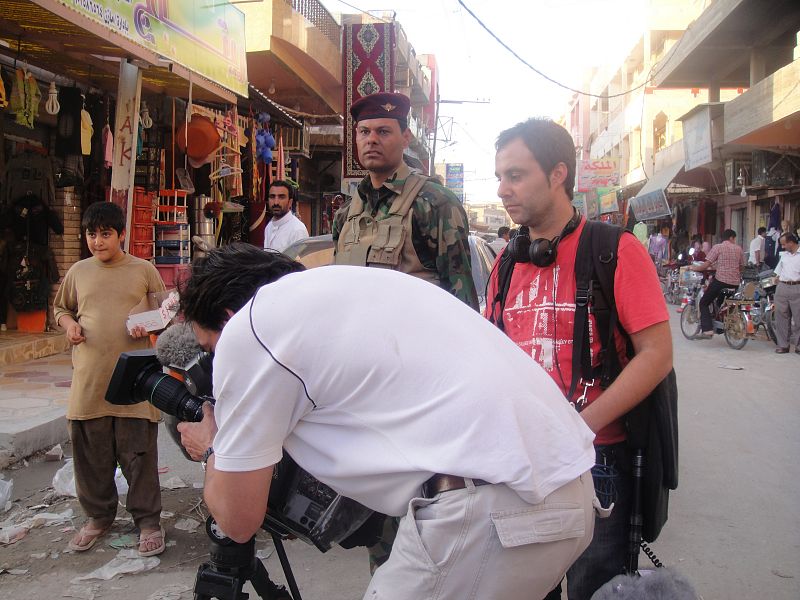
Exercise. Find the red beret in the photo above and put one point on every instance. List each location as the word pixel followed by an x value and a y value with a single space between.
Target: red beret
pixel 383 105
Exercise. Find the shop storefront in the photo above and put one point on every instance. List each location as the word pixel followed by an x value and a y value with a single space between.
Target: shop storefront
pixel 94 97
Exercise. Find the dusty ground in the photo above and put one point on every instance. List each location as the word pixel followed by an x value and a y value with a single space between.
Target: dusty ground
pixel 38 566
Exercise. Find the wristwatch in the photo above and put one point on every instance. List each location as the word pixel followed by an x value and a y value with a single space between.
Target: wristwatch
pixel 206 455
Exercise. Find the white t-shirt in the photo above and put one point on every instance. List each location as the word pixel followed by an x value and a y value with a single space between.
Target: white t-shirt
pixel 284 232
pixel 373 381
pixel 788 267
pixel 756 245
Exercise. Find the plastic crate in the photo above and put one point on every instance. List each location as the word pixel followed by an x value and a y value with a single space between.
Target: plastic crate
pixel 143 215
pixel 176 244
pixel 172 260
pixel 141 233
pixel 142 250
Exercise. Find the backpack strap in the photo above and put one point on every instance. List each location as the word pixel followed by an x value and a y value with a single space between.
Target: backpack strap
pixel 505 271
pixel 595 265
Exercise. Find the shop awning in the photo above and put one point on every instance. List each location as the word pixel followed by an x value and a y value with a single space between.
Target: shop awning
pixel 43 33
pixel 661 179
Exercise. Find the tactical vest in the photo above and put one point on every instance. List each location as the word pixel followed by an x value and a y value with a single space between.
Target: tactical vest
pixel 385 243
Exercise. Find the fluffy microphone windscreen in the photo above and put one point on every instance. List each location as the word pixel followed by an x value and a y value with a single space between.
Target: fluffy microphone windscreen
pixel 177 346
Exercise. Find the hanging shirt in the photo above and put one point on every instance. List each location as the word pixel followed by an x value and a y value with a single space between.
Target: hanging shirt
pixel 108 147
pixel 87 131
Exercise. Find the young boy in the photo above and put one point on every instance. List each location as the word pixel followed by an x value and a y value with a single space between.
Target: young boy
pixel 92 305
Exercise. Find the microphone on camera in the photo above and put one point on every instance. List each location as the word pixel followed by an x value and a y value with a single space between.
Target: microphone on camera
pixel 177 346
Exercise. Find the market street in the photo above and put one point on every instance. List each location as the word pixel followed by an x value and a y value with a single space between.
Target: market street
pixel 733 526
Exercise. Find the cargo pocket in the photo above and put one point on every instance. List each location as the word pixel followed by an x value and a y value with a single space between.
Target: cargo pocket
pixel 539 524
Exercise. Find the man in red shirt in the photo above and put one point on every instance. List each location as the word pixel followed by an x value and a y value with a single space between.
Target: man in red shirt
pixel 728 259
pixel 535 167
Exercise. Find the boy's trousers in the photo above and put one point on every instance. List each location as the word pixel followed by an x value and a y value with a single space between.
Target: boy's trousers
pixel 97 446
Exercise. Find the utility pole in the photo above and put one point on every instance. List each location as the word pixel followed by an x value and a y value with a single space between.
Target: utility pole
pixel 439 101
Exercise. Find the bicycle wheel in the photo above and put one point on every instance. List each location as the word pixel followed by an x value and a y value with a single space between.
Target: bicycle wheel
pixel 690 321
pixel 735 329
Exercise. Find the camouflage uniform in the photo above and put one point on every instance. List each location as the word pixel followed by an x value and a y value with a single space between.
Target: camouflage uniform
pixel 439 230
pixel 439 233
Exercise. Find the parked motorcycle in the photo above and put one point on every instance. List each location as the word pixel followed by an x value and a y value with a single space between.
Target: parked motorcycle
pixel 762 309
pixel 728 317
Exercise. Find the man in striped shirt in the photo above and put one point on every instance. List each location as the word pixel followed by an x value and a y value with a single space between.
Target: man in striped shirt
pixel 728 259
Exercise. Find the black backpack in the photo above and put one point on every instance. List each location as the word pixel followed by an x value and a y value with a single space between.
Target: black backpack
pixel 652 426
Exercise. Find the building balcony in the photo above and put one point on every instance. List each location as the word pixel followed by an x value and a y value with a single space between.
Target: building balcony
pixel 409 75
pixel 294 48
pixel 768 114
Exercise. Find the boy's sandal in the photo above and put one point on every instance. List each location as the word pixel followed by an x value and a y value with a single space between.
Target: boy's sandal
pixel 88 534
pixel 147 540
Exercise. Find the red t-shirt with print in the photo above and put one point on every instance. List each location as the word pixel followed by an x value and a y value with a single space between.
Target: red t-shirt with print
pixel 537 293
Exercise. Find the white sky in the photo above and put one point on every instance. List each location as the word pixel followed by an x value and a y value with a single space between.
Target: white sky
pixel 561 38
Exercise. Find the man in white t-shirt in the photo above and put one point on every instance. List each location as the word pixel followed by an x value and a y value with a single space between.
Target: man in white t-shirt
pixel 406 401
pixel 284 228
pixel 756 253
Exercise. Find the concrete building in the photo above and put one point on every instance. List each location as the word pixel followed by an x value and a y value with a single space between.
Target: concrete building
pixel 753 138
pixel 637 128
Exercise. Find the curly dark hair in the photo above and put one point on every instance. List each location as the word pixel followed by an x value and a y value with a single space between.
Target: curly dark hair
pixel 226 278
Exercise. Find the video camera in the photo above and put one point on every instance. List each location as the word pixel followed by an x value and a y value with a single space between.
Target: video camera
pixel 299 505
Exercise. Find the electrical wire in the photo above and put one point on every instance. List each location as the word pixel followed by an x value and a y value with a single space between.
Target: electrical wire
pixel 558 83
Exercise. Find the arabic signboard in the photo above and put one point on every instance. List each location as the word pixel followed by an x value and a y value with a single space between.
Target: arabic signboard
pixel 204 36
pixel 652 205
pixel 608 202
pixel 454 179
pixel 597 173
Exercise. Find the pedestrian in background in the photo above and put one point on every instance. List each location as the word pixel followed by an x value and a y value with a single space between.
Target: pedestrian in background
pixel 499 244
pixel 756 254
pixel 284 228
pixel 728 259
pixel 787 295
pixel 93 305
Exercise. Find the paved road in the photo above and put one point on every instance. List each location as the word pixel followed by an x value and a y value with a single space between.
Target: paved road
pixel 734 527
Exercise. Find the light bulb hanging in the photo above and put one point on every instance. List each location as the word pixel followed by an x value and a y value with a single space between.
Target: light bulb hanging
pixel 52 105
pixel 146 120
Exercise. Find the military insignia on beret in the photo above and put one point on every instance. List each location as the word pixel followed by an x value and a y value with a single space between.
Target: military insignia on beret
pixel 388 107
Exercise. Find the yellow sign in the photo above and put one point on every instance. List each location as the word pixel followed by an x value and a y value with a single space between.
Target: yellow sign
pixel 205 36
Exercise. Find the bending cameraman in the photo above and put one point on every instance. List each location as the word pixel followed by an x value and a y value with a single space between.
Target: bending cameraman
pixel 408 402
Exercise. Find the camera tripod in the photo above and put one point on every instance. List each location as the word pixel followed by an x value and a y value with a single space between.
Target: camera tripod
pixel 232 564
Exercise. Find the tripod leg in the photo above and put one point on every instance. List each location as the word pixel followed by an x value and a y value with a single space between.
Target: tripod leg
pixel 287 568
pixel 265 587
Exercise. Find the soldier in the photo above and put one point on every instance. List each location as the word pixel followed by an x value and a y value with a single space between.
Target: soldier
pixel 400 220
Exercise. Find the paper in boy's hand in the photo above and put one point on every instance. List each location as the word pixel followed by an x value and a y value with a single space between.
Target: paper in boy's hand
pixel 158 318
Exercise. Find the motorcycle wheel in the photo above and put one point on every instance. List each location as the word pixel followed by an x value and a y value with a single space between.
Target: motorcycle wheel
pixel 690 321
pixel 769 323
pixel 735 329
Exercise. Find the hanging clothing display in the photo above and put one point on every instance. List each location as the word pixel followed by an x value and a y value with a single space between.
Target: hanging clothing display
pixel 25 98
pixel 68 129
pixel 87 131
pixel 108 146
pixel 29 173
pixel 775 216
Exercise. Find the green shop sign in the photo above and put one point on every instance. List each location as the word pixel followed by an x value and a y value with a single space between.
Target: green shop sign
pixel 205 36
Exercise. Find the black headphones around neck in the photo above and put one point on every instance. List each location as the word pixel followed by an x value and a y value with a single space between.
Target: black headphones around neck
pixel 541 251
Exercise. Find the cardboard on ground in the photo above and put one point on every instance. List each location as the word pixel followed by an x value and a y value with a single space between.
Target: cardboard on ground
pixel 155 311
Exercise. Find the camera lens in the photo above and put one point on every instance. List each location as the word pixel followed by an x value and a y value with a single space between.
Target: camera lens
pixel 170 395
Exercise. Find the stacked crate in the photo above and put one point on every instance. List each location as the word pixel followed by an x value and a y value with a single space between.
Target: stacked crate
pixel 142 236
pixel 173 239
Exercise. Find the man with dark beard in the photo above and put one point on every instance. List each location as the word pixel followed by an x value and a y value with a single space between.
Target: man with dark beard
pixel 284 228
